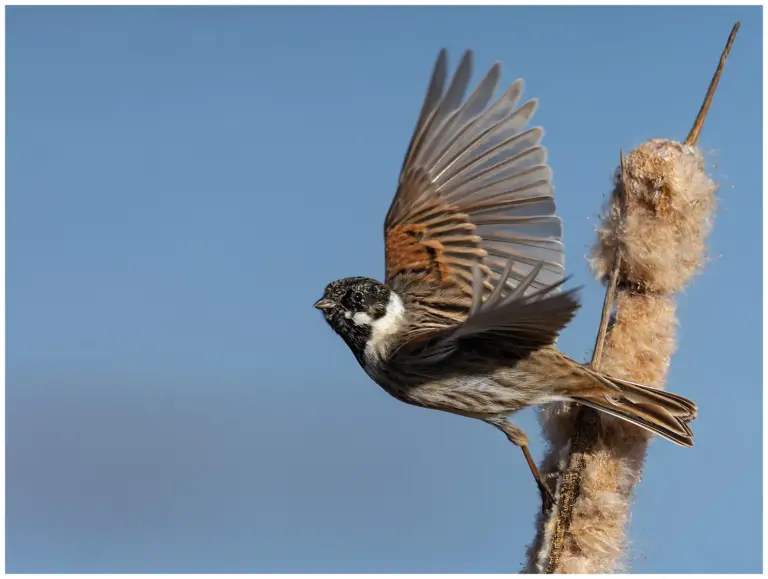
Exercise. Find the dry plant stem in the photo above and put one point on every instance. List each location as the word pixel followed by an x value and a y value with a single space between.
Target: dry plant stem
pixel 610 291
pixel 693 136
pixel 652 240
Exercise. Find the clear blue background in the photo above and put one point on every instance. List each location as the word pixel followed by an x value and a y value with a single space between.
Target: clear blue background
pixel 181 185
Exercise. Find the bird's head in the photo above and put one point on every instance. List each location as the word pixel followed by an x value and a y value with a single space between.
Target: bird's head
pixel 364 312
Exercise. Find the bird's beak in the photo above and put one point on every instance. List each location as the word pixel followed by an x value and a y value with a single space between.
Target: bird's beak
pixel 324 304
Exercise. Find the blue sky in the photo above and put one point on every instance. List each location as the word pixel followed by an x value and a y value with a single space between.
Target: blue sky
pixel 181 185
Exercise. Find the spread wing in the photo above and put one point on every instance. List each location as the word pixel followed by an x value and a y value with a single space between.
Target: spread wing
pixel 517 319
pixel 474 186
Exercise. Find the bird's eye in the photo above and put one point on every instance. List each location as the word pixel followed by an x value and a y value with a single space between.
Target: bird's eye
pixel 357 297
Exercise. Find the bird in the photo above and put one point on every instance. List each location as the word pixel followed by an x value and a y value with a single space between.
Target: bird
pixel 472 303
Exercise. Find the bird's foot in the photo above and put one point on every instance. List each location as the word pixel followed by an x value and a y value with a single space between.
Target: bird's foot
pixel 547 498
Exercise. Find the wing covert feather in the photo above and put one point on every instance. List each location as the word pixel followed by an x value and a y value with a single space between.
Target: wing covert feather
pixel 517 318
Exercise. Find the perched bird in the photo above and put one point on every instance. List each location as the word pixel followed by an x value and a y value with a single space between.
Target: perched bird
pixel 472 302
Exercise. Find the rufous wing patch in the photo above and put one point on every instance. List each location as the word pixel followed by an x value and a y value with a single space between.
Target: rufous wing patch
pixel 408 250
pixel 434 239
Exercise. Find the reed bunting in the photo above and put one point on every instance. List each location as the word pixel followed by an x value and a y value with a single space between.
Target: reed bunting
pixel 472 302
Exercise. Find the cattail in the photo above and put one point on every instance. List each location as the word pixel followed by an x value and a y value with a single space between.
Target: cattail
pixel 650 244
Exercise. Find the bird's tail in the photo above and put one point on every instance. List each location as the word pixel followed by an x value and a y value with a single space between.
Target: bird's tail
pixel 663 413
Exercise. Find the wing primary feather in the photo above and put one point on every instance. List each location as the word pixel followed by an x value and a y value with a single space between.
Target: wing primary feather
pixel 451 101
pixel 525 167
pixel 475 160
pixel 500 108
pixel 518 200
pixel 520 289
pixel 547 289
pixel 507 255
pixel 464 117
pixel 431 100
pixel 496 293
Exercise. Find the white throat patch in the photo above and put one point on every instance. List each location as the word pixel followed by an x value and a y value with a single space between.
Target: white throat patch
pixel 361 319
pixel 383 328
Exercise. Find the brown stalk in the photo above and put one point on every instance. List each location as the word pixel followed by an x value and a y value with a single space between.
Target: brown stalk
pixel 610 291
pixel 693 135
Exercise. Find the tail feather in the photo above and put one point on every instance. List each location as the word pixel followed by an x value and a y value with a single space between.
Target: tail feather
pixel 663 413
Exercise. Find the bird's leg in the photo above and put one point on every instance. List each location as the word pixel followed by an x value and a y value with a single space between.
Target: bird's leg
pixel 547 498
pixel 517 437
